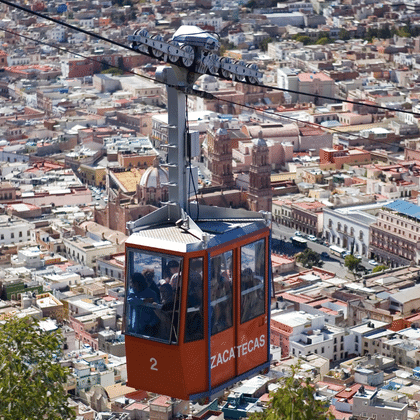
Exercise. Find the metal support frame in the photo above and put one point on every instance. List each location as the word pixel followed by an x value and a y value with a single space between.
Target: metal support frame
pixel 176 148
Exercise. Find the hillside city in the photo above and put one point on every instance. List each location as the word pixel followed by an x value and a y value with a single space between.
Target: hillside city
pixel 82 132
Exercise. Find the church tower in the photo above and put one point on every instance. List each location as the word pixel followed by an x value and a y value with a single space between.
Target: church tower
pixel 259 192
pixel 220 157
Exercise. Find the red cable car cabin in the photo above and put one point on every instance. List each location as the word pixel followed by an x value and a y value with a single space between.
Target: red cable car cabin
pixel 197 300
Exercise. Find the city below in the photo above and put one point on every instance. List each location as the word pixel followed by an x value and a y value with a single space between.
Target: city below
pixel 303 113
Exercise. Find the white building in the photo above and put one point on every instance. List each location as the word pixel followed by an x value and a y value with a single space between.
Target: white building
pixel 237 38
pixel 301 334
pixel 198 121
pixel 57 34
pixel 204 20
pixel 14 229
pixel 85 250
pixel 285 19
pixel 300 5
pixel 18 60
pixel 348 227
pixel 31 257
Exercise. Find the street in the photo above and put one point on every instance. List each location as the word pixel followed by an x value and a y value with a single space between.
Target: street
pixel 331 263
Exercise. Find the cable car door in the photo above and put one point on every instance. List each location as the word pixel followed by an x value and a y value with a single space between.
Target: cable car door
pixel 221 318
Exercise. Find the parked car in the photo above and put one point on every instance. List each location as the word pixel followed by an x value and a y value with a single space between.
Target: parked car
pixel 312 238
pixel 373 262
pixel 325 254
pixel 298 233
pixel 359 257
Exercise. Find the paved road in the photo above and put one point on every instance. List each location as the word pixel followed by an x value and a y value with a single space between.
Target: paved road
pixel 281 243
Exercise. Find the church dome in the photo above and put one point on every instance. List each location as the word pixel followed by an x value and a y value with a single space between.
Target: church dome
pixel 259 142
pixel 154 176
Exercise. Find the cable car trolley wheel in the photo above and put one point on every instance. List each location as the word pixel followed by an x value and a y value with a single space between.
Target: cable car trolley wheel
pixel 156 46
pixel 226 67
pixel 241 71
pixel 188 57
pixel 140 40
pixel 254 80
pixel 174 52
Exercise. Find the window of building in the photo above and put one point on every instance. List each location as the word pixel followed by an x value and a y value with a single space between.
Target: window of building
pixel 12 235
pixel 20 234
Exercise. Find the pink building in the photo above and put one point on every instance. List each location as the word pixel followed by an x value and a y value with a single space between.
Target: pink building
pixel 351 118
pixel 278 154
pixel 70 196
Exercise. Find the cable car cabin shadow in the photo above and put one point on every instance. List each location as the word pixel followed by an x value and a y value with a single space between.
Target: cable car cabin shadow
pixel 197 300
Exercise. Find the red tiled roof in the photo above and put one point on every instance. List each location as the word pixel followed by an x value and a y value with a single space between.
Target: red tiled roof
pixel 333 387
pixel 310 206
pixel 163 400
pixel 265 397
pixel 339 415
pixel 311 131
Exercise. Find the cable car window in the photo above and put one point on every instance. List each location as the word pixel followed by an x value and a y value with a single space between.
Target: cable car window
pixel 252 280
pixel 194 322
pixel 221 296
pixel 153 294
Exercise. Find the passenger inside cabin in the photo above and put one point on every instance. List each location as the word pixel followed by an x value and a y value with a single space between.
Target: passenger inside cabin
pixel 149 275
pixel 195 318
pixel 221 295
pixel 142 301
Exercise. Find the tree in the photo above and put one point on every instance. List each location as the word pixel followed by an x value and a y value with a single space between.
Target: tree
pixel 309 258
pixel 352 263
pixel 114 71
pixel 343 34
pixel 305 39
pixel 294 400
pixel 31 379
pixel 323 41
pixel 379 268
pixel 264 44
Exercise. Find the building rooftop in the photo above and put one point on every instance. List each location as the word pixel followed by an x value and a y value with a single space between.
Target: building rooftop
pixel 405 207
pixel 294 319
pixel 406 295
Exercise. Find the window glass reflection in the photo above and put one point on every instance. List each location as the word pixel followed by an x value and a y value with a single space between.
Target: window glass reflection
pixel 252 280
pixel 194 322
pixel 153 295
pixel 221 297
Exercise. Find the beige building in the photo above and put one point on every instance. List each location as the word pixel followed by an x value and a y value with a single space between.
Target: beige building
pixel 368 405
pixel 395 236
pixel 406 301
pixel 85 250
